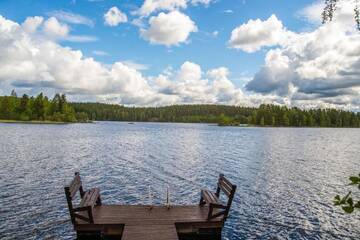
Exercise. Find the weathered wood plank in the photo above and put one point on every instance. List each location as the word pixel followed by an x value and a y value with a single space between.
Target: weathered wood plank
pixel 142 215
pixel 150 232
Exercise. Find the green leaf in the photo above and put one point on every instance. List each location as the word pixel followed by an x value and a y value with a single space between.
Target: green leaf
pixel 357 205
pixel 350 202
pixel 348 209
pixel 354 180
pixel 343 201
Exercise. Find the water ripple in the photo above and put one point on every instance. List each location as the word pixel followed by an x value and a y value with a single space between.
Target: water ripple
pixel 286 177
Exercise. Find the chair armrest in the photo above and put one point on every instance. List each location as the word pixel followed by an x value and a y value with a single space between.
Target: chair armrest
pixel 81 209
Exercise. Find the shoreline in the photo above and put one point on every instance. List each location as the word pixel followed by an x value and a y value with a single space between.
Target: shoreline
pixel 32 122
pixel 134 122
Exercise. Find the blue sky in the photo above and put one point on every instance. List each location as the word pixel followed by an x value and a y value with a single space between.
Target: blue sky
pixel 206 46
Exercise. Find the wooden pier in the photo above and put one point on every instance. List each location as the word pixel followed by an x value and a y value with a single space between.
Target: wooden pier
pixel 93 220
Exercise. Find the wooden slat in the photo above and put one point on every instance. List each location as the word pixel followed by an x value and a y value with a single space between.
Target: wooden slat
pixel 140 214
pixel 118 216
pixel 75 185
pixel 225 188
pixel 210 197
pixel 150 232
pixel 90 197
pixel 225 185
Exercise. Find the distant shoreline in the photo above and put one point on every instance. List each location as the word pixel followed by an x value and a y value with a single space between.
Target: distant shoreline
pixel 135 122
pixel 33 122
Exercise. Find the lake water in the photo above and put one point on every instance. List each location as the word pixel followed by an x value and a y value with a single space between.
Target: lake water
pixel 286 177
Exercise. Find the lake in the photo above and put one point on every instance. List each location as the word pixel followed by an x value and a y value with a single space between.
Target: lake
pixel 286 177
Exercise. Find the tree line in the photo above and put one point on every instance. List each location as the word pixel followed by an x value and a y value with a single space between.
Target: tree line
pixel 264 115
pixel 38 108
pixel 41 108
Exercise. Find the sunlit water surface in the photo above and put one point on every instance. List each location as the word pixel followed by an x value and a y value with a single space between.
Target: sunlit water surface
pixel 286 177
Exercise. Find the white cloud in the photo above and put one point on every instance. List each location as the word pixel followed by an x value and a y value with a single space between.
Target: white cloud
pixel 169 29
pixel 312 12
pixel 139 22
pixel 314 68
pixel 135 65
pixel 80 38
pixel 152 6
pixel 215 33
pixel 31 24
pixel 228 11
pixel 30 62
pixel 317 68
pixel 71 18
pixel 54 29
pixel 33 62
pixel 114 17
pixel 100 53
pixel 344 13
pixel 190 85
pixel 255 34
pixel 197 2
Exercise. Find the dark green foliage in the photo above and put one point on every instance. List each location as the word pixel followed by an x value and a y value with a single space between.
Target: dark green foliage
pixel 347 203
pixel 265 115
pixel 330 8
pixel 357 15
pixel 38 108
pixel 328 13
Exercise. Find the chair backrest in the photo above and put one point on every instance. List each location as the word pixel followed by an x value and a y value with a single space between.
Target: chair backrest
pixel 70 192
pixel 225 186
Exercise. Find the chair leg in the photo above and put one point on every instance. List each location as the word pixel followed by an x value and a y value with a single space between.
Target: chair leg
pixel 210 212
pixel 98 201
pixel 91 218
pixel 202 202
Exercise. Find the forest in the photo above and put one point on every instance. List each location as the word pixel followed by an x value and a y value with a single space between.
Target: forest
pixel 39 108
pixel 58 109
pixel 264 115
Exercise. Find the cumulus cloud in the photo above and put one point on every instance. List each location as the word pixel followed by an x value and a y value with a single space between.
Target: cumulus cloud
pixel 190 85
pixel 169 29
pixel 255 34
pixel 54 29
pixel 319 68
pixel 152 6
pixel 31 24
pixel 30 62
pixel 114 17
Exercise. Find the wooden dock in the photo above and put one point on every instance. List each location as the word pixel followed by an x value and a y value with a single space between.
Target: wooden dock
pixel 92 220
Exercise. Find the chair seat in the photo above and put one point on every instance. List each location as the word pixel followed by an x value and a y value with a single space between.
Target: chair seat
pixel 211 198
pixel 90 197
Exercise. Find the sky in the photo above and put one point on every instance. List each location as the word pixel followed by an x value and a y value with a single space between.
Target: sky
pixel 164 52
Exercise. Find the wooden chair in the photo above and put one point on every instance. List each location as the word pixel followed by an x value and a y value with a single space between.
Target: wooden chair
pixel 89 199
pixel 212 199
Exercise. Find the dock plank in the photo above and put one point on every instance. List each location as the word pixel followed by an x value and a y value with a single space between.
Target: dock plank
pixel 135 214
pixel 117 217
pixel 150 232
